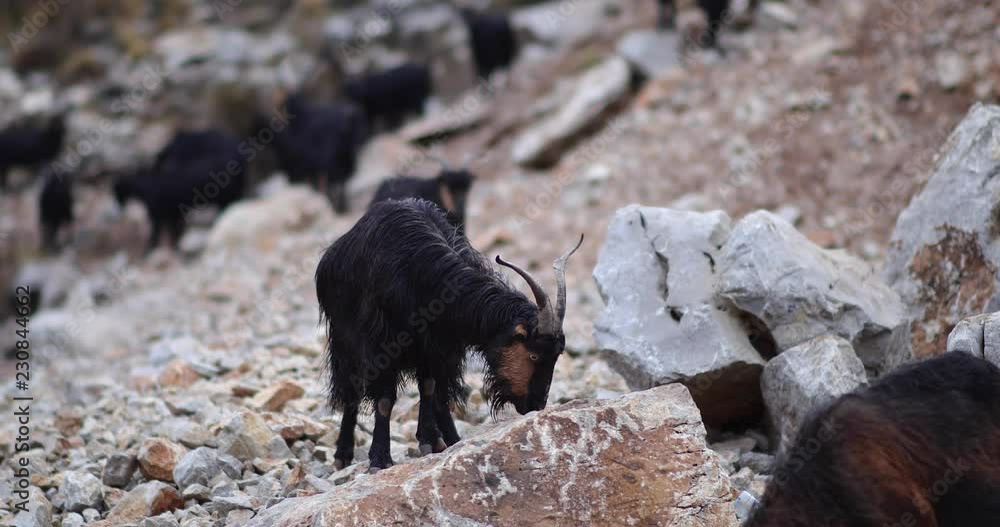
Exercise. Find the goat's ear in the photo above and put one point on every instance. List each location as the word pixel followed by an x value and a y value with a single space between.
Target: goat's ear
pixel 520 331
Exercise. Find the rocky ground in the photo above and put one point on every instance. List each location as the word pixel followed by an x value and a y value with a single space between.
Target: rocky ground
pixel 187 389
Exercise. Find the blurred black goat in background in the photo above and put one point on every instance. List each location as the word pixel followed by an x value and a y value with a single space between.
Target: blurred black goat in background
pixel 492 40
pixel 390 96
pixel 30 146
pixel 196 169
pixel 320 145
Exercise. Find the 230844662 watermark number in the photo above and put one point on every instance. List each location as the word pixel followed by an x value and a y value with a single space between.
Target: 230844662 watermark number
pixel 22 398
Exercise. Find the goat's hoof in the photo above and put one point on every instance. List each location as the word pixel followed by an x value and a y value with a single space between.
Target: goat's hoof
pixel 374 470
pixel 339 464
pixel 440 446
pixel 426 449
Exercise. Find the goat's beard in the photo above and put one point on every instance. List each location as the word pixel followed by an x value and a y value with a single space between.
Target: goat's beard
pixel 494 389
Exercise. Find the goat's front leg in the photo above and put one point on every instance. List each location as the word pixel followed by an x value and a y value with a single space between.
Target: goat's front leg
pixel 379 456
pixel 445 423
pixel 428 435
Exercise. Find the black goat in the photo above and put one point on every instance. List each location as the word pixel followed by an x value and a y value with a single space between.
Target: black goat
pixel 55 206
pixel 320 145
pixel 920 448
pixel 404 295
pixel 196 169
pixel 449 191
pixel 29 146
pixel 716 13
pixel 492 40
pixel 389 96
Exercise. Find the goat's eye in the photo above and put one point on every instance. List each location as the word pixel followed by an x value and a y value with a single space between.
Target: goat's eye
pixel 533 357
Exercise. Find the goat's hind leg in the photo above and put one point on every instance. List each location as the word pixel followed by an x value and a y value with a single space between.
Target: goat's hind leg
pixel 383 392
pixel 345 440
pixel 379 455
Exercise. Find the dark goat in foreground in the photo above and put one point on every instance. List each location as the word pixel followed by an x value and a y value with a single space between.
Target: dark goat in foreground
pixel 55 206
pixel 196 169
pixel 320 145
pixel 492 40
pixel 449 191
pixel 29 146
pixel 391 95
pixel 405 296
pixel 919 447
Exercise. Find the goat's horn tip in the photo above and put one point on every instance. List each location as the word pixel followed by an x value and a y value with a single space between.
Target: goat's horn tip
pixel 498 259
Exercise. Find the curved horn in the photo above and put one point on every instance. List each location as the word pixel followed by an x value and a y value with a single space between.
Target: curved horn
pixel 560 266
pixel 546 315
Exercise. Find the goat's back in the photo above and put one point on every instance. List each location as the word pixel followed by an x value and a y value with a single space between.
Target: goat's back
pixel 876 455
pixel 396 258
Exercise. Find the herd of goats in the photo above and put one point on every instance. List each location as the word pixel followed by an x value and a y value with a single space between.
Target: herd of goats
pixel 405 297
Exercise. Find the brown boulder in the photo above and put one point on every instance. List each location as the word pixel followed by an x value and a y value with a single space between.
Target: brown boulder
pixel 640 459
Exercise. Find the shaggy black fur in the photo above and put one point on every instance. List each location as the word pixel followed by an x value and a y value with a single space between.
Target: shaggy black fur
pixel 492 40
pixel 196 169
pixel 449 190
pixel 320 145
pixel 29 146
pixel 55 206
pixel 389 96
pixel 404 296
pixel 919 447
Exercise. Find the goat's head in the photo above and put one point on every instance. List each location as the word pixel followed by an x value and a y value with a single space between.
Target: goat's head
pixel 454 185
pixel 521 361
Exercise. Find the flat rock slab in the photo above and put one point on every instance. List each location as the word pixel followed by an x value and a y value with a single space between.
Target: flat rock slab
pixel 640 459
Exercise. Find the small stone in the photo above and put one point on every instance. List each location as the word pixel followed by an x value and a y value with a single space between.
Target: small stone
pixel 158 457
pixel 198 466
pixel 758 462
pixel 90 515
pixel 239 517
pixel 39 513
pixel 225 504
pixel 68 422
pixel 952 69
pixel 246 436
pixel 742 479
pixel 164 520
pixel 274 397
pixel 148 499
pixel 118 470
pixel 72 519
pixel 197 492
pixel 81 490
pixel 179 374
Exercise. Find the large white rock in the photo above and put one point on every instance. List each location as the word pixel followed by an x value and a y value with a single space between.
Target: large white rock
pixel 657 273
pixel 943 256
pixel 801 291
pixel 806 376
pixel 597 90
